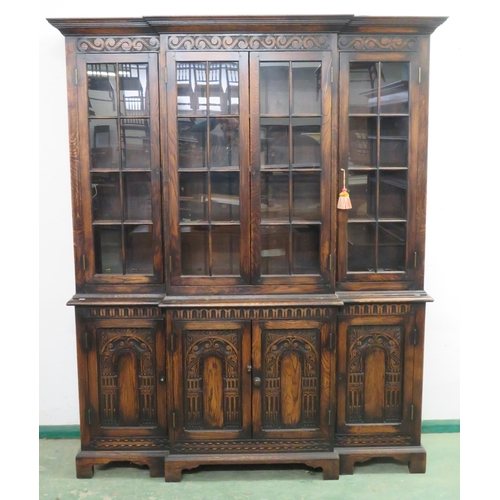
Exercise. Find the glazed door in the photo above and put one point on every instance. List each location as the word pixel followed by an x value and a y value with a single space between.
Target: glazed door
pixel 292 379
pixel 211 387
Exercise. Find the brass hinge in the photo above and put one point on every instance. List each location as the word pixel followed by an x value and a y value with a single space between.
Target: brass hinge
pixel 414 336
pixel 172 343
pixel 419 75
pixel 412 412
pixel 415 260
pixel 170 264
pixel 76 76
pixel 84 262
pixel 173 419
pixel 329 418
pixel 330 262
pixel 331 340
pixel 331 74
pixel 89 416
pixel 86 341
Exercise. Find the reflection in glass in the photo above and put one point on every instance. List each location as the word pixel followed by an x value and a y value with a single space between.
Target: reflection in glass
pixel 225 196
pixel 192 142
pixel 306 141
pixel 363 87
pixel 306 87
pixel 274 141
pixel 361 247
pixel 223 88
pixel 362 142
pixel 274 250
pixel 191 88
pixel 306 198
pixel 394 87
pixel 194 250
pixel 106 204
pixel 305 241
pixel 392 194
pixel 139 249
pixel 134 95
pixel 137 198
pixel 103 144
pixel 135 136
pixel 392 244
pixel 274 88
pixel 108 249
pixel 225 250
pixel 393 142
pixel 193 197
pixel 101 80
pixel 224 142
pixel 274 198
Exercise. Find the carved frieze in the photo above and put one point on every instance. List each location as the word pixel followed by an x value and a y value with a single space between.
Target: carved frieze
pixel 252 313
pixel 124 312
pixel 119 44
pixel 375 309
pixel 378 43
pixel 249 42
pixel 371 440
pixel 117 443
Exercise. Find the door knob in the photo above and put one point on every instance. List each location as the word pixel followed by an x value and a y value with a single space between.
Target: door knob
pixel 257 381
pixel 249 368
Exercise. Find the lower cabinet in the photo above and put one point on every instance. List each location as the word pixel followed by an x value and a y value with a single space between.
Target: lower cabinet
pixel 379 384
pixel 175 389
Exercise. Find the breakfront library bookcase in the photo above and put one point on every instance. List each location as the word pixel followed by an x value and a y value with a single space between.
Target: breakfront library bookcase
pixel 227 311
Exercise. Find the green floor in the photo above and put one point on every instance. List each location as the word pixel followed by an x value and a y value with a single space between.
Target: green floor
pixel 384 479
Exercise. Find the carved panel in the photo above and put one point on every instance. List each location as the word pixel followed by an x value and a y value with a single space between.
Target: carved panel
pixel 249 42
pixel 371 440
pixel 251 446
pixel 118 44
pixel 291 372
pixel 126 376
pixel 378 43
pixel 212 380
pixel 375 309
pixel 363 342
pixel 256 313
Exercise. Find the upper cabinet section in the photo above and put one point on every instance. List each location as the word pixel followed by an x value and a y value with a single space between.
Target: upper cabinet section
pixel 207 154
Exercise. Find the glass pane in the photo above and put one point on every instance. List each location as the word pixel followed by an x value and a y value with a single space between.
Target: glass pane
pixel 392 246
pixel 363 83
pixel 225 196
pixel 361 247
pixel 137 188
pixel 226 250
pixel 106 204
pixel 393 142
pixel 392 196
pixel 362 188
pixel 306 141
pixel 274 202
pixel 135 143
pixel 362 142
pixel 191 88
pixel 274 250
pixel 306 199
pixel 305 241
pixel 108 249
pixel 192 142
pixel 193 196
pixel 274 88
pixel 274 141
pixel 103 144
pixel 306 87
pixel 101 79
pixel 224 142
pixel 134 99
pixel 139 249
pixel 394 87
pixel 224 90
pixel 194 251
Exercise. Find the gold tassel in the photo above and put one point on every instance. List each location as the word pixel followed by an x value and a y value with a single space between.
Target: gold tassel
pixel 344 200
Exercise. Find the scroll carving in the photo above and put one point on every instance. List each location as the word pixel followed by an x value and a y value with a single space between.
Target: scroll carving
pixel 378 43
pixel 363 341
pixel 249 42
pixel 118 44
